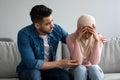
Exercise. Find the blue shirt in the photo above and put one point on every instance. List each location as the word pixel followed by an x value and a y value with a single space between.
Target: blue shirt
pixel 31 46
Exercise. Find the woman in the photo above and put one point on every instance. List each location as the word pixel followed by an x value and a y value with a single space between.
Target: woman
pixel 85 46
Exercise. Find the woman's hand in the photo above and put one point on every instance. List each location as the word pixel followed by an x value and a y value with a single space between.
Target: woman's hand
pixel 103 39
pixel 94 33
pixel 80 31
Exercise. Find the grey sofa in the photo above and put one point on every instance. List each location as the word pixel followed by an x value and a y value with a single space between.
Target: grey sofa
pixel 10 57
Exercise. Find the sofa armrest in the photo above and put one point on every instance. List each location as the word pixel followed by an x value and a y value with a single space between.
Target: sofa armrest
pixel 6 39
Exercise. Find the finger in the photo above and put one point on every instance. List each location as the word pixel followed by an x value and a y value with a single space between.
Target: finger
pixel 73 64
pixel 84 30
pixel 104 40
pixel 70 65
pixel 92 31
pixel 81 26
pixel 72 61
pixel 93 26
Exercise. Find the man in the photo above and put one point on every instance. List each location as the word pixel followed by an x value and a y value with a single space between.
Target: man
pixel 37 44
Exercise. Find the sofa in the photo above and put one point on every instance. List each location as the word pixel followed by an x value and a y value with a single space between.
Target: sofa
pixel 10 58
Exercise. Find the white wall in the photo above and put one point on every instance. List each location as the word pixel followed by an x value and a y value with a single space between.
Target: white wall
pixel 14 14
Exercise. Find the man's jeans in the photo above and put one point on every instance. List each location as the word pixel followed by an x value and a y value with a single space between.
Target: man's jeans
pixel 51 74
pixel 93 72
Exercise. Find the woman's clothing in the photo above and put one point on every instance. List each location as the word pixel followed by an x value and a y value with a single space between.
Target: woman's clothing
pixel 87 53
pixel 91 57
pixel 93 72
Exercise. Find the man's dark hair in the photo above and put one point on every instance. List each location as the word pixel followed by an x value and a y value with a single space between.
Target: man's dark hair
pixel 38 12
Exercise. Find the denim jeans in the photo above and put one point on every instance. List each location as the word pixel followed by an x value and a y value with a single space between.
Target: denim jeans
pixel 51 74
pixel 93 72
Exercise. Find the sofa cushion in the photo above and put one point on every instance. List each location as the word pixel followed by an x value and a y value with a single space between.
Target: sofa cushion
pixel 9 79
pixel 112 76
pixel 65 52
pixel 9 59
pixel 110 58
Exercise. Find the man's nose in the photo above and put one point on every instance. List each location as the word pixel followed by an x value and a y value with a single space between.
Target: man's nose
pixel 51 25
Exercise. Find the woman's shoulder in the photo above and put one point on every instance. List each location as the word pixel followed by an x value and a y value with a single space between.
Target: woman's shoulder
pixel 70 37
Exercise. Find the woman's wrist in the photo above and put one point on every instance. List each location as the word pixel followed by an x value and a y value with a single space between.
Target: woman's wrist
pixel 97 40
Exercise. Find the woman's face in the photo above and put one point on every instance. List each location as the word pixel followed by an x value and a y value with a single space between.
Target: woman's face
pixel 87 33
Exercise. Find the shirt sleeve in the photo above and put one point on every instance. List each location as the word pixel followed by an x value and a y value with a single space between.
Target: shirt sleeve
pixel 27 54
pixel 74 49
pixel 62 33
pixel 96 54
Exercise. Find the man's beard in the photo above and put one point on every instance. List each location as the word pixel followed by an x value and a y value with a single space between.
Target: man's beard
pixel 47 32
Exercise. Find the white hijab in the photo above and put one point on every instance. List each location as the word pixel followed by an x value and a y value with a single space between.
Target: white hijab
pixel 86 45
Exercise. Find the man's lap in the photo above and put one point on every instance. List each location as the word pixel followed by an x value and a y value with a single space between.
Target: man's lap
pixel 51 74
pixel 56 74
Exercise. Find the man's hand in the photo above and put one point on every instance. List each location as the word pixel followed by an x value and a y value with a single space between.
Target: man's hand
pixel 67 63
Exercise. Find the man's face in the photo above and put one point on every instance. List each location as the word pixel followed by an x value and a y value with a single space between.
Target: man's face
pixel 45 26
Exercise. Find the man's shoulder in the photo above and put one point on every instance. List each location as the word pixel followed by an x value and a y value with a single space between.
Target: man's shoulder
pixel 58 28
pixel 28 30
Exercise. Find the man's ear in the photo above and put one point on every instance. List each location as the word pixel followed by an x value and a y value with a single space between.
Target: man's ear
pixel 37 25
